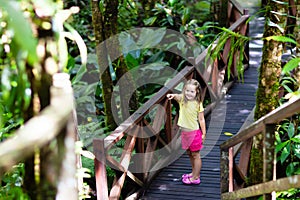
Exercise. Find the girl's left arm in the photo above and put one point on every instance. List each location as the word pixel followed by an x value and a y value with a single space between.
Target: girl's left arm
pixel 202 125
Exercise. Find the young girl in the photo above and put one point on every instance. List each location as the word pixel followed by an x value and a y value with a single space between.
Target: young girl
pixel 190 116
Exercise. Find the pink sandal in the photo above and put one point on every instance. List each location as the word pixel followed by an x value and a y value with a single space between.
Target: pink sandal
pixel 188 181
pixel 186 176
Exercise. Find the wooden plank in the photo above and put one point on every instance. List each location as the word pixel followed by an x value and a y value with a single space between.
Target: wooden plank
pixel 168 108
pixel 160 117
pixel 239 22
pixel 215 78
pixel 237 6
pixel 245 157
pixel 100 169
pixel 230 175
pixel 229 11
pixel 264 188
pixel 128 148
pixel 115 191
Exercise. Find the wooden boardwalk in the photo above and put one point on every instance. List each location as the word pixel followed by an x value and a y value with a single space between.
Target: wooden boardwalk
pixel 229 116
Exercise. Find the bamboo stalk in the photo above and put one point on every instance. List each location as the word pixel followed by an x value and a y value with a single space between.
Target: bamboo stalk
pixel 39 130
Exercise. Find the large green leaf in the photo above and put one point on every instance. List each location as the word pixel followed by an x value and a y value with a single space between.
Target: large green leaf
pixel 150 21
pixel 280 146
pixel 291 130
pixel 284 155
pixel 131 62
pixel 149 38
pixel 128 44
pixel 289 66
pixel 281 39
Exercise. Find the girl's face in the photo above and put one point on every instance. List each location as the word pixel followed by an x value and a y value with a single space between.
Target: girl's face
pixel 190 92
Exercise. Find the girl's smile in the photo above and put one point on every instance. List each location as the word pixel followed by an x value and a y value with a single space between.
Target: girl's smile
pixel 190 92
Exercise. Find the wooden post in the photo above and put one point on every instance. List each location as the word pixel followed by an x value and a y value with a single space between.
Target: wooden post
pixel 269 155
pixel 68 186
pixel 168 126
pixel 230 187
pixel 245 31
pixel 100 169
pixel 224 165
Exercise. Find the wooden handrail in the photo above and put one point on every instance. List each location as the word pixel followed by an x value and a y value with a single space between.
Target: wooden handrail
pixel 274 117
pixel 237 6
pixel 263 125
pixel 282 184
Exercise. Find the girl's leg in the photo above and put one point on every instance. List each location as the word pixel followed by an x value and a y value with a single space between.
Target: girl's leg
pixel 196 164
pixel 191 160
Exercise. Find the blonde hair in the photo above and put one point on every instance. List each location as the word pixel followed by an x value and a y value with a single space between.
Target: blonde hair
pixel 198 90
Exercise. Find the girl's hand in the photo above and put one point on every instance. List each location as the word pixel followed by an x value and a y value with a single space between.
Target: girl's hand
pixel 170 96
pixel 203 137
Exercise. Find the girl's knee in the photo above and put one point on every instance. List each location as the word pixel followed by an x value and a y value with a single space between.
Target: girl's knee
pixel 195 154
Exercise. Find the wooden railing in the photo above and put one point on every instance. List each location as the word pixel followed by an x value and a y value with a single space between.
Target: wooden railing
pixel 233 174
pixel 54 124
pixel 153 127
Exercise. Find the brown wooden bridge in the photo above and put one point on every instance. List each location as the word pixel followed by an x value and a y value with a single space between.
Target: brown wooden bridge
pixel 151 159
pixel 225 159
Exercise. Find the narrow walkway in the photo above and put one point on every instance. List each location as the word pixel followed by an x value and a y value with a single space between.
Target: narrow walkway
pixel 228 117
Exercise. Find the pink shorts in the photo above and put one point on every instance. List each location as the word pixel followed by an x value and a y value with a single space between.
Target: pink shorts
pixel 191 140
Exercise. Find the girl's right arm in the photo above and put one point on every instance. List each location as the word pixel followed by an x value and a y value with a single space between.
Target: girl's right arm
pixel 173 96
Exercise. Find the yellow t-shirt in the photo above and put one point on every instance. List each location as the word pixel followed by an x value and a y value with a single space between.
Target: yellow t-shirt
pixel 188 114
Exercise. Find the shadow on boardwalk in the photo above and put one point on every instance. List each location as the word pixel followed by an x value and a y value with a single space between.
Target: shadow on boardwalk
pixel 236 107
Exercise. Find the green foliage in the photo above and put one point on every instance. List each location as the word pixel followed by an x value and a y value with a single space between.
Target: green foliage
pixel 288 81
pixel 19 56
pixel 292 193
pixel 291 65
pixel 288 152
pixel 23 39
pixel 89 131
pixel 288 146
pixel 17 47
pixel 11 184
pixel 237 42
pixel 129 14
pixel 206 34
pixel 287 136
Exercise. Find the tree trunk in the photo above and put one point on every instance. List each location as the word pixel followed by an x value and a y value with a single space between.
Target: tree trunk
pixel 297 38
pixel 106 26
pixel 268 86
pixel 223 14
pixel 128 95
pixel 102 53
